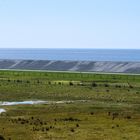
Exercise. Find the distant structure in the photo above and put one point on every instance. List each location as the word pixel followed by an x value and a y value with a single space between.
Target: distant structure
pixel 79 66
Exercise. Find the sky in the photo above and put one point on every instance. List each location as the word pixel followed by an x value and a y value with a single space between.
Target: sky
pixel 110 24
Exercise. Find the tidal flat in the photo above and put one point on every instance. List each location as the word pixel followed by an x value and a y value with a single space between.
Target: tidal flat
pixel 83 106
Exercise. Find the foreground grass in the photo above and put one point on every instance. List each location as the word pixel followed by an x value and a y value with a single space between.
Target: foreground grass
pixel 111 110
pixel 71 121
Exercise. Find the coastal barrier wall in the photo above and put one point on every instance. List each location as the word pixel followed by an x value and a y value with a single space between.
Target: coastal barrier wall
pixel 80 66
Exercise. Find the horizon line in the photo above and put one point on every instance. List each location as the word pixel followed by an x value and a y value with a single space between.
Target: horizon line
pixel 78 48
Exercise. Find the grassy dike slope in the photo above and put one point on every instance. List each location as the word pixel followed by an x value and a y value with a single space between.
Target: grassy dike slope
pixel 110 109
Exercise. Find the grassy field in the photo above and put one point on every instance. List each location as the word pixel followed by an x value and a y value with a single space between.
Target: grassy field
pixel 105 107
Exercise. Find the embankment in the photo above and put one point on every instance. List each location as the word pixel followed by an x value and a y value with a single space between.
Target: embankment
pixel 81 66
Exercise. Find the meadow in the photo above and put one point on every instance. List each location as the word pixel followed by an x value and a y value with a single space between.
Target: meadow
pixel 101 107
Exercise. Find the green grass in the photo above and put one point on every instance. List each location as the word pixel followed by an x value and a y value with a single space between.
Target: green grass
pixel 105 95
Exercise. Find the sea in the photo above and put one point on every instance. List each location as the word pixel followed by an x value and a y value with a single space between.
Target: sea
pixel 72 54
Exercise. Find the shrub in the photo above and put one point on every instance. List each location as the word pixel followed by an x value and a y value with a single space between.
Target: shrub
pixel 70 83
pixel 94 84
pixel 106 85
pixel 72 130
pixel 2 138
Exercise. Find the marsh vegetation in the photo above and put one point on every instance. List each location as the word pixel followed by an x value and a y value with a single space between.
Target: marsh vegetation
pixel 109 106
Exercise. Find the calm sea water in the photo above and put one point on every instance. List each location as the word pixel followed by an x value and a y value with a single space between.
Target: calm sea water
pixel 71 54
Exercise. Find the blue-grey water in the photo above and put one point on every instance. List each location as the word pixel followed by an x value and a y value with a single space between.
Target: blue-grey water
pixel 71 54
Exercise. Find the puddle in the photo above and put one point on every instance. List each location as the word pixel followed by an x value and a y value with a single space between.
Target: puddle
pixel 38 102
pixel 2 110
pixel 22 103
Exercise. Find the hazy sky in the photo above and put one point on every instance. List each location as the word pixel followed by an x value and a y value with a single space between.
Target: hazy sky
pixel 70 24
